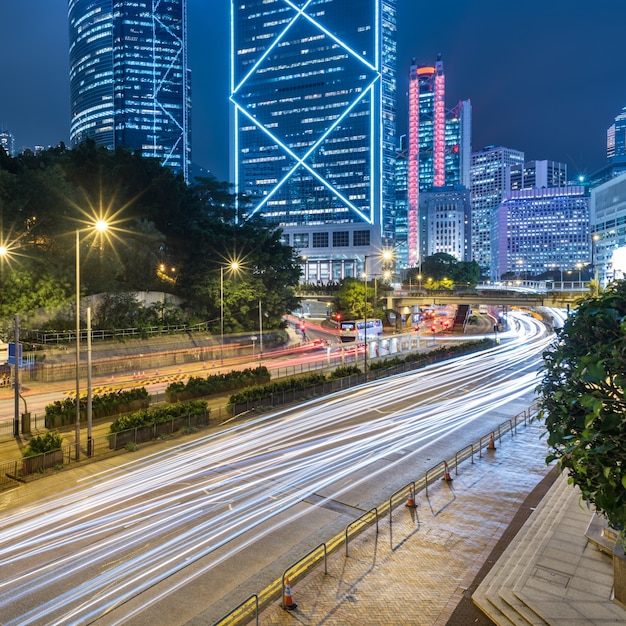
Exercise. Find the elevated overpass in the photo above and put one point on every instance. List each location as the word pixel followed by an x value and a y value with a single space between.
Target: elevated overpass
pixel 522 294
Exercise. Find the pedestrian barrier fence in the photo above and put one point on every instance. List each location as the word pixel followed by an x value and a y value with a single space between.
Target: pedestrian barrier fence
pixel 360 525
pixel 302 567
pixel 17 470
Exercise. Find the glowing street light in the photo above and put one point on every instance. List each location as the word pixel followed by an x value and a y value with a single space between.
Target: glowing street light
pixel 234 267
pixel 100 226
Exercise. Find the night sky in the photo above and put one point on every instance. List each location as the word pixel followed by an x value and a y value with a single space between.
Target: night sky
pixel 544 76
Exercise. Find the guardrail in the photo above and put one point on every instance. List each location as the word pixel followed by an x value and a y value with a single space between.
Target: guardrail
pixel 17 470
pixel 303 566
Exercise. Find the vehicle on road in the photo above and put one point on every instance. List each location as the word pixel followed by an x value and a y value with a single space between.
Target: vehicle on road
pixel 352 330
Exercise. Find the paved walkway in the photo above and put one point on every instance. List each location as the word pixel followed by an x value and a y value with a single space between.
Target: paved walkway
pixel 423 567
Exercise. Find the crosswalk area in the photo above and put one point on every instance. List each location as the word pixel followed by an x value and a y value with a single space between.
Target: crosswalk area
pixel 137 381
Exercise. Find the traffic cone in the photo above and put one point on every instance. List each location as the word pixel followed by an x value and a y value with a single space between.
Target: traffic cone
pixel 492 445
pixel 411 500
pixel 446 475
pixel 288 602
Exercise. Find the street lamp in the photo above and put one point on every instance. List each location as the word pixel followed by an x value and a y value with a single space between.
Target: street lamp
pixel 364 315
pixel 594 239
pixel 579 267
pixel 233 266
pixel 100 226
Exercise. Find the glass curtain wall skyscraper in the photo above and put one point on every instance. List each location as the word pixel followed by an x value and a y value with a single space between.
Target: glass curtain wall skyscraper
pixel 129 81
pixel 313 92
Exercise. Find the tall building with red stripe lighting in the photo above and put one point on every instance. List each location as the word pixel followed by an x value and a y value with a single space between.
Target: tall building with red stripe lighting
pixel 439 144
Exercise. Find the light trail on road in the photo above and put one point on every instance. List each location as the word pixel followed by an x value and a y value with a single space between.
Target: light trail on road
pixel 83 553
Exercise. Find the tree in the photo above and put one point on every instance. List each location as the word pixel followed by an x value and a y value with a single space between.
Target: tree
pixel 442 267
pixel 350 301
pixel 154 219
pixel 583 400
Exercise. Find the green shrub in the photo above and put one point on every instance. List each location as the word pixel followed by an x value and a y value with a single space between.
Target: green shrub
pixel 290 384
pixel 63 412
pixel 345 370
pixel 157 415
pixel 48 442
pixel 199 387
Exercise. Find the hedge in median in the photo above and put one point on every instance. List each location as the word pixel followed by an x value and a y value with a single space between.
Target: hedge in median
pixel 199 387
pixel 63 412
pixel 157 415
pixel 257 392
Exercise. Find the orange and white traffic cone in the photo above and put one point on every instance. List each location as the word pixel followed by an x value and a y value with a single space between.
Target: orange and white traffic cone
pixel 288 602
pixel 446 474
pixel 492 445
pixel 411 500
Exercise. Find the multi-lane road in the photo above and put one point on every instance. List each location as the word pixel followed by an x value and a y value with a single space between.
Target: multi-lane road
pixel 216 518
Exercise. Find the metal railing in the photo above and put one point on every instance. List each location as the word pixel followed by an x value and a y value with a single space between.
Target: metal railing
pixel 18 470
pixel 304 565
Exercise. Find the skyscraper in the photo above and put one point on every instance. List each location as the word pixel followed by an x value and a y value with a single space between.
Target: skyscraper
pixel 616 139
pixel 313 92
pixel 7 141
pixel 538 174
pixel 129 80
pixel 439 144
pixel 490 181
pixel 541 228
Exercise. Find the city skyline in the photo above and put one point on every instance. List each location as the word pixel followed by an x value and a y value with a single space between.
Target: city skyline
pixel 548 81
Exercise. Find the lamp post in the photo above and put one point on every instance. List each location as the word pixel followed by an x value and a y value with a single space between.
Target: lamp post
pixel 222 314
pixel 260 331
pixel 100 226
pixel 364 314
pixel 234 265
pixel 594 239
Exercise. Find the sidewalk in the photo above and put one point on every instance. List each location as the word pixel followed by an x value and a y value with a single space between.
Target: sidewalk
pixel 423 568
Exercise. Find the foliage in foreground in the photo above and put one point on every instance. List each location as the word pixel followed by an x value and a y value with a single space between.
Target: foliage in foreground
pixel 583 399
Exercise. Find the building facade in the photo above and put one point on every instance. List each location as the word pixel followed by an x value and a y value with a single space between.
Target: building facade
pixel 313 91
pixel 608 229
pixel 445 222
pixel 129 80
pixel 490 181
pixel 536 230
pixel 439 144
pixel 538 174
pixel 7 141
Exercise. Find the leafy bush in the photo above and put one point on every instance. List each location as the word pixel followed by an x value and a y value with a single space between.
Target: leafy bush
pixel 262 391
pixel 198 387
pixel 48 442
pixel 343 371
pixel 63 412
pixel 157 415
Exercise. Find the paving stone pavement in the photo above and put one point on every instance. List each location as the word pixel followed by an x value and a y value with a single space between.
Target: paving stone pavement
pixel 417 570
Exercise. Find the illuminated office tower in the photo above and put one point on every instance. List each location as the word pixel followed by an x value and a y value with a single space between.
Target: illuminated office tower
pixel 313 93
pixel 129 80
pixel 536 229
pixel 400 210
pixel 445 222
pixel 439 144
pixel 490 180
pixel 7 142
pixel 538 174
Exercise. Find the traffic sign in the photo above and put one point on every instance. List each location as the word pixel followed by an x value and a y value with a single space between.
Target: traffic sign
pixel 11 359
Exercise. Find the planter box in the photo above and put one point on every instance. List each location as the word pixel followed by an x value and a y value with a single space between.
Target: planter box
pixel 34 464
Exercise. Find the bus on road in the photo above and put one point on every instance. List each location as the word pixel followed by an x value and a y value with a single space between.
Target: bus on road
pixel 352 330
